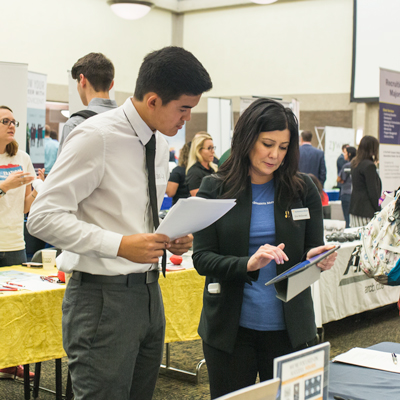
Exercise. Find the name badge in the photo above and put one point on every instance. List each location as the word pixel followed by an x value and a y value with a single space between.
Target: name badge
pixel 161 179
pixel 299 214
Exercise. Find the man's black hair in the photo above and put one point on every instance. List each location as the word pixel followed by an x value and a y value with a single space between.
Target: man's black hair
pixel 171 72
pixel 97 69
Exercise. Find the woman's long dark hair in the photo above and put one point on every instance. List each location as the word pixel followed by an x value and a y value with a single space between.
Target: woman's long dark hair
pixel 368 149
pixel 263 115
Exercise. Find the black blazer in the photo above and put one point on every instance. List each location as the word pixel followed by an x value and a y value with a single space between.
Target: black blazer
pixel 221 254
pixel 367 188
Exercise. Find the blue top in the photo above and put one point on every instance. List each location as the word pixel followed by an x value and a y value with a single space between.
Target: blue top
pixel 261 310
pixel 50 153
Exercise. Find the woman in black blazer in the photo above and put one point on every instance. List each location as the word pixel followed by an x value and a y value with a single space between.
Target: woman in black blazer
pixel 367 186
pixel 243 326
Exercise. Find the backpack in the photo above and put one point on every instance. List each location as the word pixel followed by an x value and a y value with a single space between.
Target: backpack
pixel 380 250
pixel 84 114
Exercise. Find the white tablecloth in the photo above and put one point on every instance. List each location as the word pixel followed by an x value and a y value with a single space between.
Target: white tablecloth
pixel 343 291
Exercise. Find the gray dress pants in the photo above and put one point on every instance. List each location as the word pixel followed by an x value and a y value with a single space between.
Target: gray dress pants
pixel 113 335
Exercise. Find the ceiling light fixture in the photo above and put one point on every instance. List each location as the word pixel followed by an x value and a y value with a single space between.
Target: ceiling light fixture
pixel 264 1
pixel 130 9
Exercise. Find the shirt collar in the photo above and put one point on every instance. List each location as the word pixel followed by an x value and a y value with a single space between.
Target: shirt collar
pixel 140 127
pixel 97 101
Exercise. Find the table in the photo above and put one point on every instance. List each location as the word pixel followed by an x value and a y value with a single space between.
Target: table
pixel 30 327
pixel 358 383
pixel 31 321
pixel 347 291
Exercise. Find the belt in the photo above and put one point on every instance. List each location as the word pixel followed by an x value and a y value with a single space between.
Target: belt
pixel 128 280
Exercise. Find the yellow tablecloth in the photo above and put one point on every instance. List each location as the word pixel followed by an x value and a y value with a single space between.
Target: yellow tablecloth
pixel 30 324
pixel 30 328
pixel 183 300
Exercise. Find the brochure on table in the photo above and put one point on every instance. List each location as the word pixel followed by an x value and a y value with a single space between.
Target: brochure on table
pixel 304 374
pixel 368 358
pixel 298 278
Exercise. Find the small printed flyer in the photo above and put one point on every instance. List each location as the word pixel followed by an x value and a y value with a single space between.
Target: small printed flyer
pixel 304 374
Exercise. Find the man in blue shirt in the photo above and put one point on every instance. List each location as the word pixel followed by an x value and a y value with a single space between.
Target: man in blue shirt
pixel 312 160
pixel 50 151
pixel 94 74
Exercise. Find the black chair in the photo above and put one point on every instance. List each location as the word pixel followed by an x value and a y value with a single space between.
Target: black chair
pixel 327 212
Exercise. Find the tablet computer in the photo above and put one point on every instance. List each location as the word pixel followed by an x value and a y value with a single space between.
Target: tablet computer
pixel 302 266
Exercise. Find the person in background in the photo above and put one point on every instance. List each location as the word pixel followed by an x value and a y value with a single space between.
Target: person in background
pixel 176 187
pixel 50 151
pixel 243 325
pixel 323 195
pixel 94 74
pixel 367 186
pixel 16 197
pixel 100 204
pixel 312 160
pixel 344 178
pixel 54 135
pixel 340 162
pixel 200 162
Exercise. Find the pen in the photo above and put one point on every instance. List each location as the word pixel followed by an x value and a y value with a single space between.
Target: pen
pixel 7 288
pixel 14 284
pixel 394 358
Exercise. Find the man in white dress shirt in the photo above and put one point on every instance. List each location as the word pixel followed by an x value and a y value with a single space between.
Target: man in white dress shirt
pixel 95 205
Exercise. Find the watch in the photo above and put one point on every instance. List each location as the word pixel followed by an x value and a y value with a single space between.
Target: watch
pixel 2 193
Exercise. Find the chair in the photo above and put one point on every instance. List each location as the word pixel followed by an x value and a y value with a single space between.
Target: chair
pixel 327 212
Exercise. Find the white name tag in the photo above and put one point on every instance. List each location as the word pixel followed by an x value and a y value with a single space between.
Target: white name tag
pixel 161 179
pixel 300 213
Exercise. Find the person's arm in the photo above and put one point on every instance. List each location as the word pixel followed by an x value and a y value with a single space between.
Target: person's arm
pixel 30 195
pixel 314 233
pixel 194 192
pixel 372 184
pixel 172 188
pixel 209 261
pixel 322 170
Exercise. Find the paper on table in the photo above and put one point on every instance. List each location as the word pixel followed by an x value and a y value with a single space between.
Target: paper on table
pixel 193 214
pixel 370 359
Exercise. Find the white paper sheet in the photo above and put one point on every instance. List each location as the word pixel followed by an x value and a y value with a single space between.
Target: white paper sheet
pixel 193 214
pixel 370 359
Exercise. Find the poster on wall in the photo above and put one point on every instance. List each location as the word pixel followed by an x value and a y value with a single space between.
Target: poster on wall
pixel 36 117
pixel 335 138
pixel 389 129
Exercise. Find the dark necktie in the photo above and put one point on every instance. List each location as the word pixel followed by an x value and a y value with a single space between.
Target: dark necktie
pixel 150 157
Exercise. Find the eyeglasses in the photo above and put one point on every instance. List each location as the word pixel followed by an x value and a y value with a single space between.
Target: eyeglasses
pixel 8 122
pixel 211 148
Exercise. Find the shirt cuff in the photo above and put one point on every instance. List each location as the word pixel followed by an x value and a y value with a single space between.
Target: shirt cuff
pixel 110 244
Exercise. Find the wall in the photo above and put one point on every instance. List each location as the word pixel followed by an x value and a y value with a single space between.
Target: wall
pixel 287 47
pixel 51 35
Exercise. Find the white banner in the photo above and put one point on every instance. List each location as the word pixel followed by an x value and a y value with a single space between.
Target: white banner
pixel 13 81
pixel 335 138
pixel 347 290
pixel 36 117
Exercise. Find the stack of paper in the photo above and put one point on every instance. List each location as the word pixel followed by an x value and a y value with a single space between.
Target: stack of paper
pixel 192 215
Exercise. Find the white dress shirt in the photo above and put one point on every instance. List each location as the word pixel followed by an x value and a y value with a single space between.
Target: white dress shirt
pixel 97 192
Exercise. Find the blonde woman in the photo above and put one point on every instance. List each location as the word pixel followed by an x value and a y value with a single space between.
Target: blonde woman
pixel 176 187
pixel 200 161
